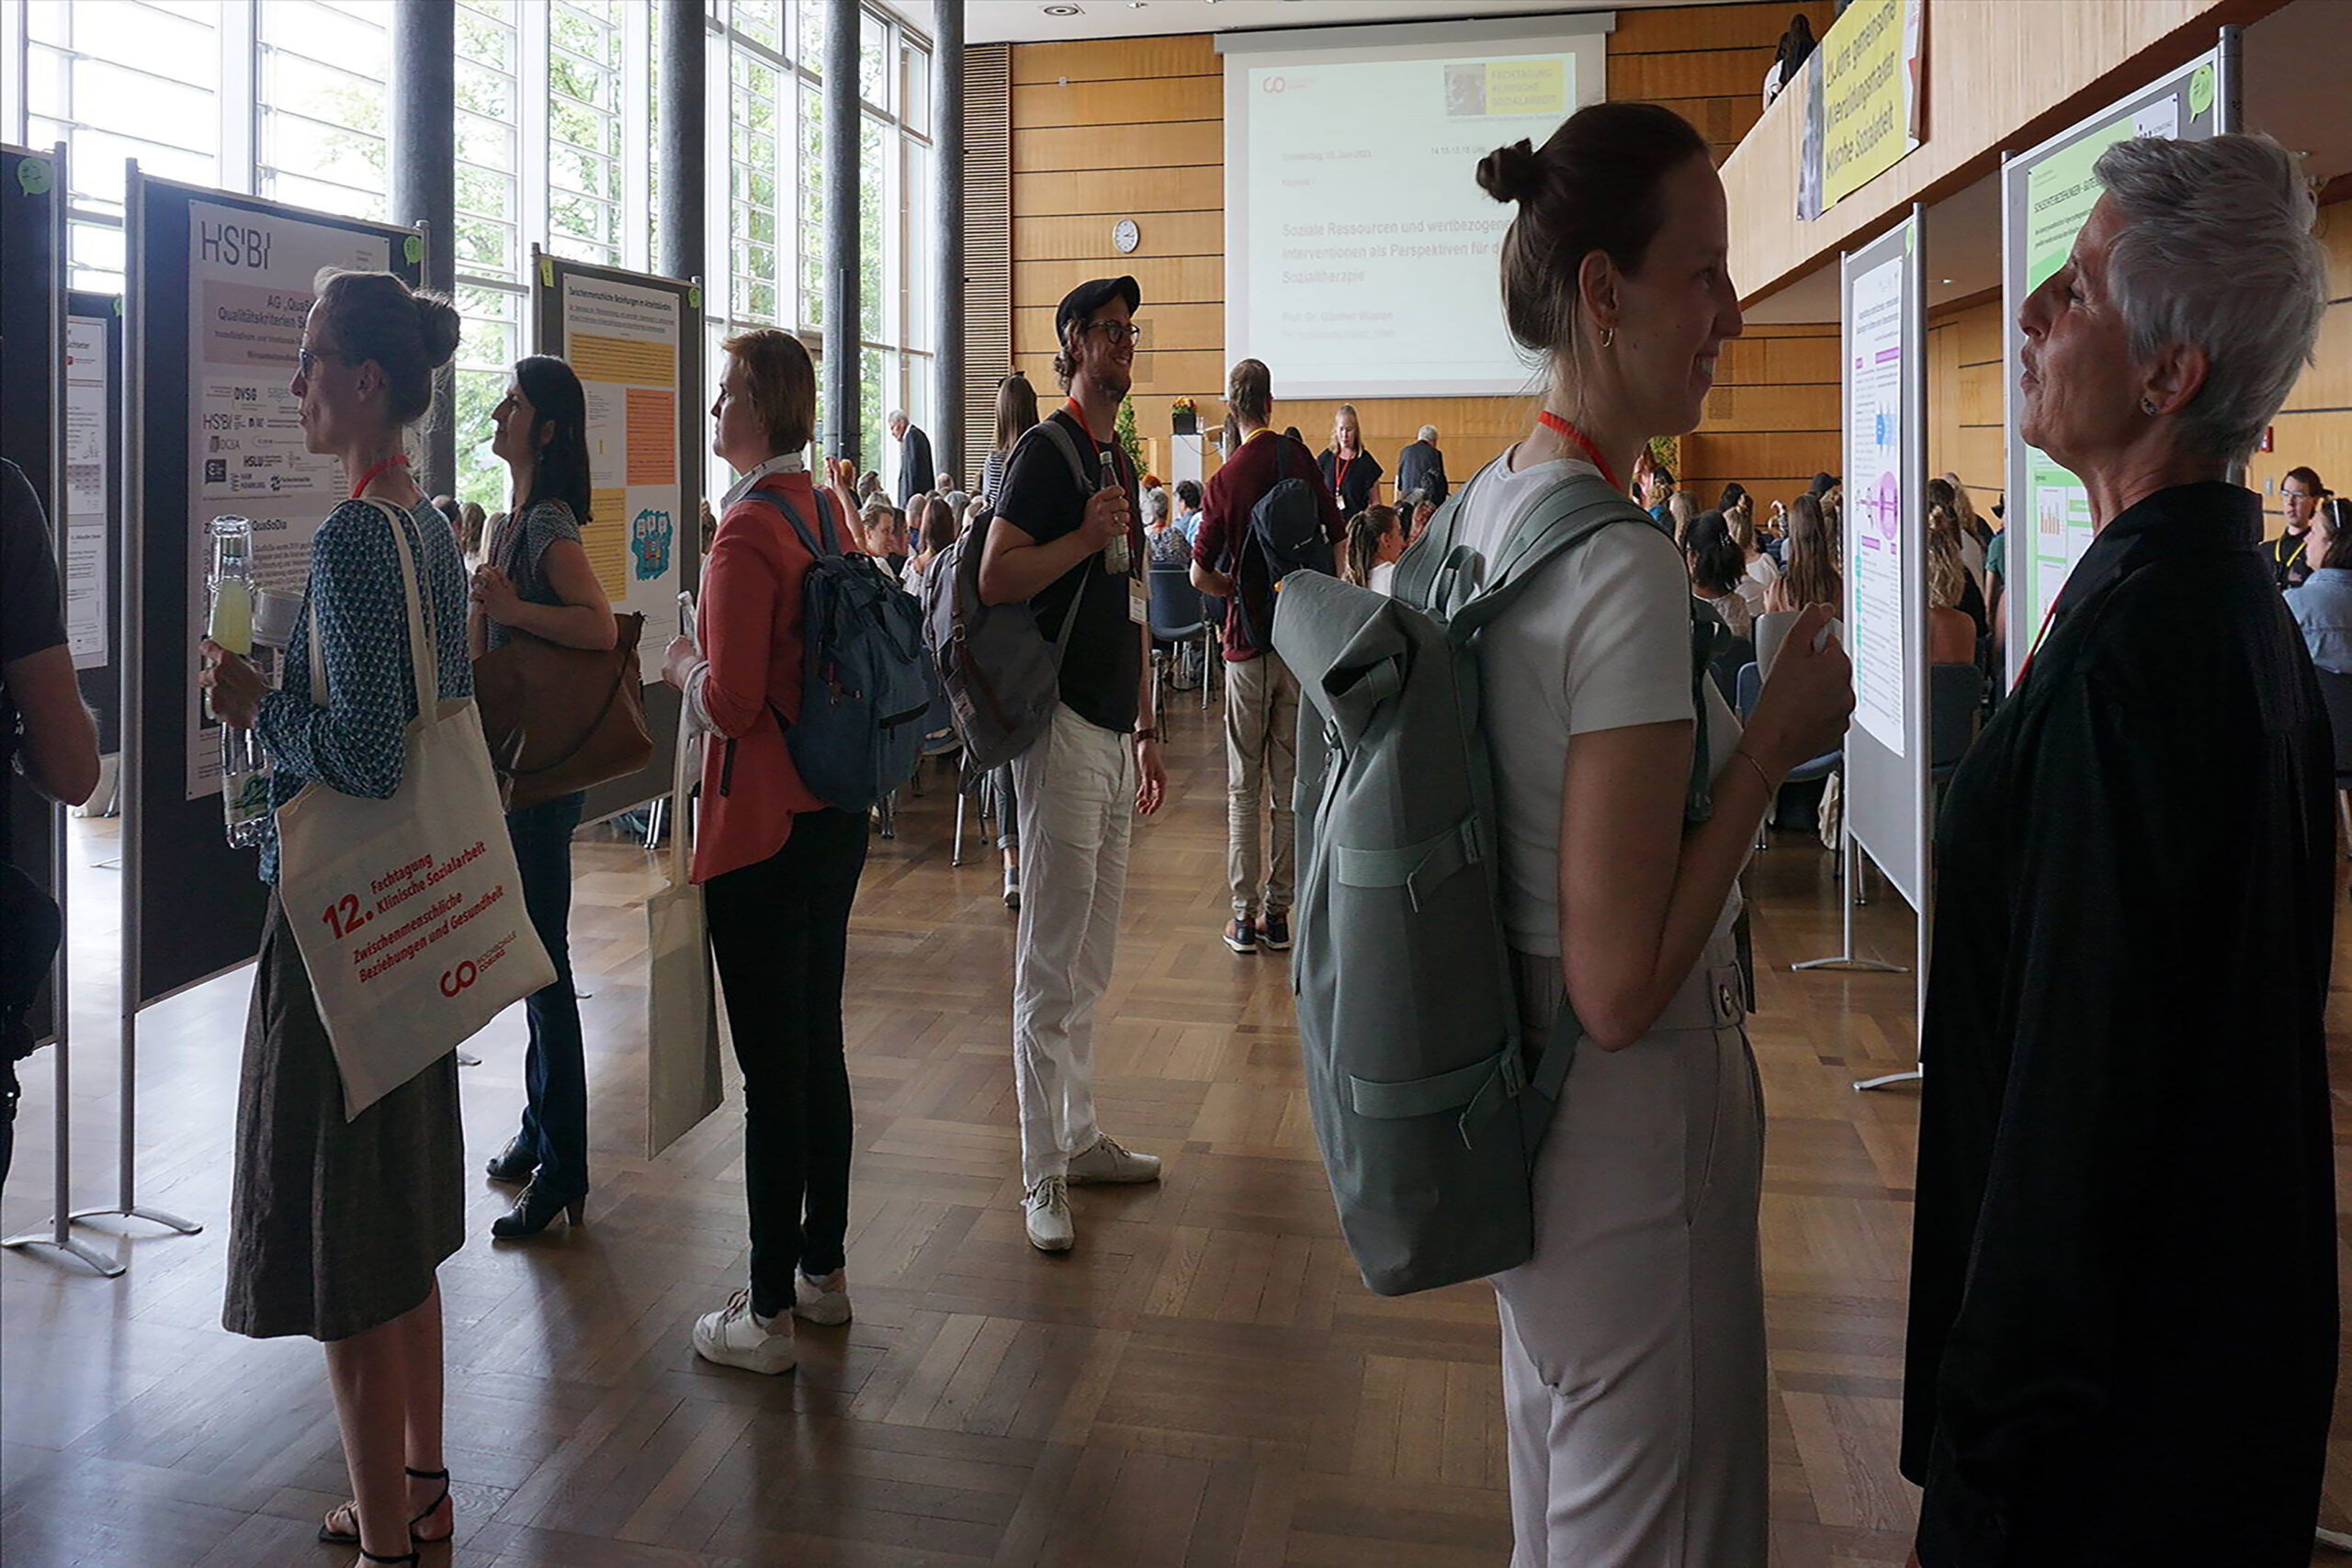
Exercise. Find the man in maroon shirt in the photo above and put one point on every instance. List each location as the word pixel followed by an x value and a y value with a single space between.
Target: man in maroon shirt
pixel 1262 695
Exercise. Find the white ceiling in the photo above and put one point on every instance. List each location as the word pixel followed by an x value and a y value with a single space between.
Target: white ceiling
pixel 1027 21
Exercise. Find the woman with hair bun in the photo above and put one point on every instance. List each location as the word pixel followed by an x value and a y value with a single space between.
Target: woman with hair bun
pixel 336 1227
pixel 1633 1340
pixel 538 580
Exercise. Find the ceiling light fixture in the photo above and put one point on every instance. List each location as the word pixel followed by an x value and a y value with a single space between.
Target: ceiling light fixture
pixel 1063 11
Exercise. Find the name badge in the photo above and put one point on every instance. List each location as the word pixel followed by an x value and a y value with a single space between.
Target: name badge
pixel 1139 604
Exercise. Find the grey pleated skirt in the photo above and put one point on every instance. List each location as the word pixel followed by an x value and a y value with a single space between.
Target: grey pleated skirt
pixel 334 1226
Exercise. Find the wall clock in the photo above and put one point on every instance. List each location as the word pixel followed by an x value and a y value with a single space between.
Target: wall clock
pixel 1127 236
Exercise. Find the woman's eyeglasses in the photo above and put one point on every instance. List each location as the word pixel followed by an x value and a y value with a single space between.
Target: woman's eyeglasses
pixel 308 360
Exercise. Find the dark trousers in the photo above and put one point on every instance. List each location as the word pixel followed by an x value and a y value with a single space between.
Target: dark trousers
pixel 555 1115
pixel 779 930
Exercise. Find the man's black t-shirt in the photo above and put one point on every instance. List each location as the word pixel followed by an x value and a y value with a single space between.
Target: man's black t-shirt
pixel 1105 659
pixel 31 613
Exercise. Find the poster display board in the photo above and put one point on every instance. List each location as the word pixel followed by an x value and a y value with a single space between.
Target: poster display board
pixel 220 285
pixel 1883 312
pixel 89 377
pixel 2046 198
pixel 32 327
pixel 93 534
pixel 635 341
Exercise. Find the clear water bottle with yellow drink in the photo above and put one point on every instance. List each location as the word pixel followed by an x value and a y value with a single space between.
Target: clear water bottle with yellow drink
pixel 244 770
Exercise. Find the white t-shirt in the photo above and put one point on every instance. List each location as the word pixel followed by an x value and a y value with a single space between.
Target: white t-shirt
pixel 1601 640
pixel 1382 579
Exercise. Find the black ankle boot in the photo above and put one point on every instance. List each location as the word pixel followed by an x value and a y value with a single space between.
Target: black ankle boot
pixel 533 1211
pixel 515 1162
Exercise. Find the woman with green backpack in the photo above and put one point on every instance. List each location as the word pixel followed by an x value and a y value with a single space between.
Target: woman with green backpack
pixel 1634 1337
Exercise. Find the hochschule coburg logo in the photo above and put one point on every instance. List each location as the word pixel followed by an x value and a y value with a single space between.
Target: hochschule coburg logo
pixel 458 979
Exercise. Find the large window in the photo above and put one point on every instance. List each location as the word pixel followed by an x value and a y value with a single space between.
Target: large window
pixel 773 247
pixel 555 144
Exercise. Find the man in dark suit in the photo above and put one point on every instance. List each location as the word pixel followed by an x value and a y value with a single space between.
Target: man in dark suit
pixel 915 473
pixel 1423 467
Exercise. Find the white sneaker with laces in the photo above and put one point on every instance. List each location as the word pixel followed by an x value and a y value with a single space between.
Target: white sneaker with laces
pixel 734 1337
pixel 1046 1211
pixel 823 1302
pixel 1110 1161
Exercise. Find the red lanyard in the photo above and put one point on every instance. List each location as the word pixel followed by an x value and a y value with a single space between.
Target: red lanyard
pixel 2036 648
pixel 1559 427
pixel 1340 479
pixel 397 461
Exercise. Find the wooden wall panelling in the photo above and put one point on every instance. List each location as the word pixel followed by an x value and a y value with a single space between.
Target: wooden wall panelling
pixel 988 240
pixel 1175 143
pixel 1088 238
pixel 1118 103
pixel 1111 60
pixel 2314 429
pixel 1129 192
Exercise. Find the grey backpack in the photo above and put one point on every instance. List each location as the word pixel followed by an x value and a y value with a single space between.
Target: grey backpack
pixel 1429 1106
pixel 1002 677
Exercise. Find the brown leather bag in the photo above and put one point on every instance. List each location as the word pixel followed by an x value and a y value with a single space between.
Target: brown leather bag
pixel 559 719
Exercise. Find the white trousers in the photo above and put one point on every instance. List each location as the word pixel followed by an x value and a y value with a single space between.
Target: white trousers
pixel 1632 1341
pixel 1076 794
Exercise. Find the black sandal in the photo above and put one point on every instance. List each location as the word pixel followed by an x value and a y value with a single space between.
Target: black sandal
pixel 406 1557
pixel 333 1536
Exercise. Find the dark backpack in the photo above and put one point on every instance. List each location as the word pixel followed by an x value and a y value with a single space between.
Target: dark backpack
pixel 1285 535
pixel 1001 677
pixel 862 694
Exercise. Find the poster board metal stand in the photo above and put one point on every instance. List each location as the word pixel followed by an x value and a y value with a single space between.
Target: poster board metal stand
pixel 56 1238
pixel 1875 771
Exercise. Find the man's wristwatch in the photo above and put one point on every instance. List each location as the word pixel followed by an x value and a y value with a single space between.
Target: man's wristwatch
pixel 1148 732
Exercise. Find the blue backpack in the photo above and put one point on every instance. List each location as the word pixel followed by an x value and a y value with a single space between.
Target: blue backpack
pixel 863 696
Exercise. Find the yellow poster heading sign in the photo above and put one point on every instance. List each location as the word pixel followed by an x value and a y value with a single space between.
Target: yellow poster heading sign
pixel 1868 94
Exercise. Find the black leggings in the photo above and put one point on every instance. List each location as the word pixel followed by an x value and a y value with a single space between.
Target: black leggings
pixel 779 930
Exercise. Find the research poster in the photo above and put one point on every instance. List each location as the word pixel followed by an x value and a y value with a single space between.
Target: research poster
pixel 2047 196
pixel 623 341
pixel 251 279
pixel 88 377
pixel 1874 498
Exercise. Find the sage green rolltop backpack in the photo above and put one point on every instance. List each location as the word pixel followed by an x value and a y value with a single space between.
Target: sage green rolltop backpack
pixel 1428 1107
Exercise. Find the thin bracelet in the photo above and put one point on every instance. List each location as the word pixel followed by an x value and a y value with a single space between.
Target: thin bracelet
pixel 1761 776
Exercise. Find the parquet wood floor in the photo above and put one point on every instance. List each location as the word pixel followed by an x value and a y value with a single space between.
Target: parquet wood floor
pixel 1205 1381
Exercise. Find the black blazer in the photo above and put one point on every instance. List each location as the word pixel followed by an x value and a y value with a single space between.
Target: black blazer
pixel 916 476
pixel 2123 1315
pixel 1418 465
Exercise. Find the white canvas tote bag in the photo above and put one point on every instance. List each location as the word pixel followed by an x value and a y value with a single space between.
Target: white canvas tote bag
pixel 408 911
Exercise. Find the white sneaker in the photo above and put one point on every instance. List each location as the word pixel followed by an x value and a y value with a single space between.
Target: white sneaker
pixel 820 1301
pixel 733 1337
pixel 1109 1161
pixel 1047 1212
pixel 1012 887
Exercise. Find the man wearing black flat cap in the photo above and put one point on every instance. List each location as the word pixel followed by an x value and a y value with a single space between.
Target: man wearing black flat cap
pixel 1064 541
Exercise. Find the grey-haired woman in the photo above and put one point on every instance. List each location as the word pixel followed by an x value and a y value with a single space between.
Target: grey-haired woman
pixel 2123 1315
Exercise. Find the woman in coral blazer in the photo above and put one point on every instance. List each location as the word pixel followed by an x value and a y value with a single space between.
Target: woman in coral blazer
pixel 778 867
